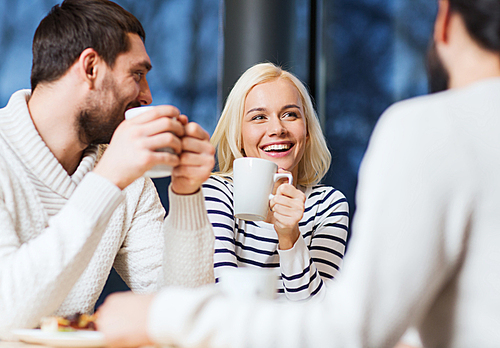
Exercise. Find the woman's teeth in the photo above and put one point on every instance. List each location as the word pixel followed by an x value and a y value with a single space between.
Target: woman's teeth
pixel 277 147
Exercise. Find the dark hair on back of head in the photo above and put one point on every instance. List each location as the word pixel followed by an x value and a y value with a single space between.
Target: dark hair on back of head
pixel 74 26
pixel 482 19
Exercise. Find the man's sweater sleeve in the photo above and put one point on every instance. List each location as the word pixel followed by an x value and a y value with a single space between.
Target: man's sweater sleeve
pixel 403 251
pixel 36 276
pixel 189 242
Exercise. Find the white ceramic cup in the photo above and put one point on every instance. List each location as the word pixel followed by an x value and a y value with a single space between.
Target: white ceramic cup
pixel 253 180
pixel 249 282
pixel 160 170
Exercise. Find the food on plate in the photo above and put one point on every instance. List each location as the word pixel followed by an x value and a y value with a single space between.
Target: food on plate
pixel 69 323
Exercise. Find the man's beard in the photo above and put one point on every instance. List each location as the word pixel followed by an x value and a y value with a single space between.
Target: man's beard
pixel 439 78
pixel 100 116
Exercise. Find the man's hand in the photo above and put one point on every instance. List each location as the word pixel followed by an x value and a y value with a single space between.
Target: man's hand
pixel 131 151
pixel 196 160
pixel 123 319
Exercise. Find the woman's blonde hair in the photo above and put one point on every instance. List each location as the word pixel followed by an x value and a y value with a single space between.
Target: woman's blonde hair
pixel 227 136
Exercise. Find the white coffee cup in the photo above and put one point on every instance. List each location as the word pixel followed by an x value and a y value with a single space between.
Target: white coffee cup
pixel 253 180
pixel 160 170
pixel 249 282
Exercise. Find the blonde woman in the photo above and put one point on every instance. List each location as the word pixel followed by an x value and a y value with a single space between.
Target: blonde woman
pixel 269 115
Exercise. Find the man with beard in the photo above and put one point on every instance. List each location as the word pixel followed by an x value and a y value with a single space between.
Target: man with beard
pixel 70 211
pixel 425 245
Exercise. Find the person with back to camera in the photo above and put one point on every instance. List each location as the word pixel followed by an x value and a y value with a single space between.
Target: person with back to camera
pixel 427 255
pixel 269 114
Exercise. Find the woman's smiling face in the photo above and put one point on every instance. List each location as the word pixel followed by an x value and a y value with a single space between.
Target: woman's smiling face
pixel 274 124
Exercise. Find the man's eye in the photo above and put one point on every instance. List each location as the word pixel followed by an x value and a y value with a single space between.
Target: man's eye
pixel 138 76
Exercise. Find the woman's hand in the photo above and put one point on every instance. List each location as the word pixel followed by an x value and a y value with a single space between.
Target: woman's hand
pixel 287 207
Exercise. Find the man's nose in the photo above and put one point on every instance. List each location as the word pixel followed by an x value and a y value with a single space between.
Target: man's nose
pixel 145 97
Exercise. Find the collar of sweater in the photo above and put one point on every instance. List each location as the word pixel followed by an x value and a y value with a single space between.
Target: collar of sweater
pixel 20 134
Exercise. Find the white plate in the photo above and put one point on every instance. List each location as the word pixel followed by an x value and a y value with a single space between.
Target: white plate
pixel 61 339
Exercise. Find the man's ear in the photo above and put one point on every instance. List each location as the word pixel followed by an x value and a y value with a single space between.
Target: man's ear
pixel 442 22
pixel 89 63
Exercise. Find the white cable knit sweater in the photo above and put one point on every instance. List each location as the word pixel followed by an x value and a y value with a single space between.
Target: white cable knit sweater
pixel 60 235
pixel 424 251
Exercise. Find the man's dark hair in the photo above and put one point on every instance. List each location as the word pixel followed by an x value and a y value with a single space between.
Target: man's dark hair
pixel 74 26
pixel 482 19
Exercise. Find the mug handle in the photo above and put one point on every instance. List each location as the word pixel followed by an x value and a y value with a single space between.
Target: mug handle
pixel 278 176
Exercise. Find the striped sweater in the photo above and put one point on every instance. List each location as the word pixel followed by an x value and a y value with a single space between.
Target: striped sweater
pixel 316 256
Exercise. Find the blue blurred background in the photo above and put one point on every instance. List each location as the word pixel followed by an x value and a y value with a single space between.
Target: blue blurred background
pixel 368 54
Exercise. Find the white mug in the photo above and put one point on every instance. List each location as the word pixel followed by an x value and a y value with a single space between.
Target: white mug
pixel 160 170
pixel 249 282
pixel 253 180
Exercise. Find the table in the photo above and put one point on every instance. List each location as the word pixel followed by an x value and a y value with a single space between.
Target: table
pixel 9 344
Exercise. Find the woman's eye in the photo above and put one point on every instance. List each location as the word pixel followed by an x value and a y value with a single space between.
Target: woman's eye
pixel 290 114
pixel 258 117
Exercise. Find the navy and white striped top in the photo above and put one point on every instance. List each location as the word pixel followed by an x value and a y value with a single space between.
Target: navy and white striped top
pixel 317 254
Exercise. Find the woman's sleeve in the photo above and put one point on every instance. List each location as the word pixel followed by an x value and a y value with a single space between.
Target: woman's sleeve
pixel 305 267
pixel 219 204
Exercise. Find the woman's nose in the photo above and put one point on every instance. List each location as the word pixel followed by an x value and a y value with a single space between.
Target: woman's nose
pixel 276 127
